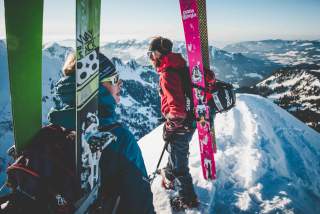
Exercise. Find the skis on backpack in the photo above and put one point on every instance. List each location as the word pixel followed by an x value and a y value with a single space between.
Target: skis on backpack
pixel 193 14
pixel 24 46
pixel 87 84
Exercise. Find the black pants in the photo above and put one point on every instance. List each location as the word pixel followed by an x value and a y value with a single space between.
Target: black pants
pixel 178 164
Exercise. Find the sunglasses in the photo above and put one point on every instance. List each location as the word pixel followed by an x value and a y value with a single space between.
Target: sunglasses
pixel 114 80
pixel 150 54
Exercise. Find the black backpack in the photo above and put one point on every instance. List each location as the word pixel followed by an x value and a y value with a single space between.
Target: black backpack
pixel 223 94
pixel 42 177
pixel 223 97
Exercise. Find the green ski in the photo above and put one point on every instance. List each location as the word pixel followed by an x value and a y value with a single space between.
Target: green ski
pixel 24 45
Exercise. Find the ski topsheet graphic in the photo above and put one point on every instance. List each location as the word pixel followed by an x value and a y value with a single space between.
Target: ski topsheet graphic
pixel 195 36
pixel 87 78
pixel 24 45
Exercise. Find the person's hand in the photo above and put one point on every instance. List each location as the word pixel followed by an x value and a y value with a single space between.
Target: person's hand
pixel 167 135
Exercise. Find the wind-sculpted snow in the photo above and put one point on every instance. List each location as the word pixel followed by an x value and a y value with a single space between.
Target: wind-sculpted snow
pixel 267 162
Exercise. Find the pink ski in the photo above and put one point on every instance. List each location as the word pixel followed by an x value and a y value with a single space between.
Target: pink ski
pixel 191 25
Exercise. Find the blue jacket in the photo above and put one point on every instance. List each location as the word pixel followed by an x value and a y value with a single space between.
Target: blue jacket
pixel 123 172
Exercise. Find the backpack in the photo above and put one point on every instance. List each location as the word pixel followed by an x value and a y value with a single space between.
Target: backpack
pixel 223 97
pixel 220 95
pixel 42 177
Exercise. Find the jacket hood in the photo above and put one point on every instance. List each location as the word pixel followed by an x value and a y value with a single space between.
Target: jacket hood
pixel 171 60
pixel 65 92
pixel 64 113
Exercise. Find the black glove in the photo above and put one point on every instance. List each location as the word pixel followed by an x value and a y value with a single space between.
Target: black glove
pixel 173 127
pixel 167 135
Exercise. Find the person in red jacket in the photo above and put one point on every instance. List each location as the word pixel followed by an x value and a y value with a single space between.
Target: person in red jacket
pixel 178 129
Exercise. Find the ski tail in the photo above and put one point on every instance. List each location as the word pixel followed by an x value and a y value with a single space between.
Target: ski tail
pixel 24 45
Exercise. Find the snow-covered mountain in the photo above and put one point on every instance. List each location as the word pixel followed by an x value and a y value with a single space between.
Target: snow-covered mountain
pixel 283 153
pixel 139 108
pixel 296 89
pixel 295 85
pixel 235 68
pixel 280 51
pixel 267 162
pixel 53 56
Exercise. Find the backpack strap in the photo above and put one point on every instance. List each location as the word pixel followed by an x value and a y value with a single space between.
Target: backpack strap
pixel 109 127
pixel 23 168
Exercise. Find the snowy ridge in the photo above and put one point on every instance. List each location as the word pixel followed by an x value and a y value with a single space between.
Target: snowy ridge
pixel 297 89
pixel 267 162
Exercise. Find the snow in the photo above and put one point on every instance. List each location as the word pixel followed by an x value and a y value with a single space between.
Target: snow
pixel 277 96
pixel 286 83
pixel 310 98
pixel 305 44
pixel 130 74
pixel 290 53
pixel 254 75
pixel 266 162
pixel 127 101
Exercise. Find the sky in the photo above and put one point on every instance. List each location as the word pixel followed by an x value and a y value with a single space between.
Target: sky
pixel 228 20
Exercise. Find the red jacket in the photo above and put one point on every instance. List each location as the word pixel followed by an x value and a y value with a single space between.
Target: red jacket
pixel 171 90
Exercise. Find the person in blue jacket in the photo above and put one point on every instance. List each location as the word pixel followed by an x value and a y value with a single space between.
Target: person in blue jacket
pixel 124 185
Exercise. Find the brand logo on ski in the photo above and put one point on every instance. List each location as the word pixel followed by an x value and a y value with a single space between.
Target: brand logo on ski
pixel 188 14
pixel 196 74
pixel 87 44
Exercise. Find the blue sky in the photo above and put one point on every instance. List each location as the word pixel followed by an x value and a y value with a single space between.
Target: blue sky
pixel 228 20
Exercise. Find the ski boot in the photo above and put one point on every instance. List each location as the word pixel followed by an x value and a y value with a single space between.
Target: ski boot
pixel 166 183
pixel 179 203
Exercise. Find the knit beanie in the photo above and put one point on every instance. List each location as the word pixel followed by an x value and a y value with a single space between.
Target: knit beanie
pixel 163 45
pixel 107 68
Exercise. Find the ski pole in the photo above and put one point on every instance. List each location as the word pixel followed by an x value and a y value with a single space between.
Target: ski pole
pixel 153 175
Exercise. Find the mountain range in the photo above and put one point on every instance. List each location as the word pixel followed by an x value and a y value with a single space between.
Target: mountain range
pixel 267 160
pixel 295 86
